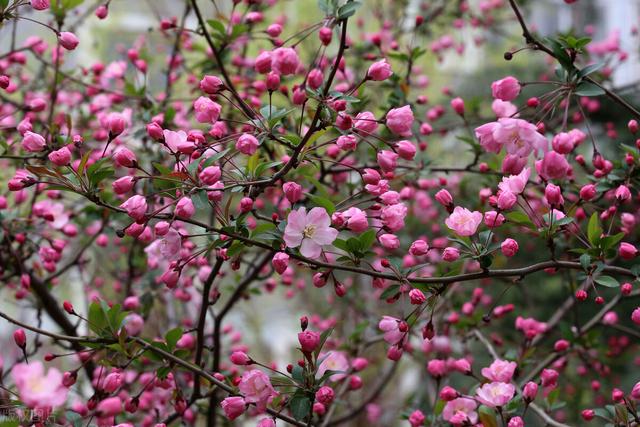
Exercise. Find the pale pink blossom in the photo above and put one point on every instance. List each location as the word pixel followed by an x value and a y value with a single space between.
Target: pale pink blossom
pixel 460 411
pixel 310 231
pixel 38 389
pixel 495 394
pixel 463 221
pixel 500 370
pixel 256 388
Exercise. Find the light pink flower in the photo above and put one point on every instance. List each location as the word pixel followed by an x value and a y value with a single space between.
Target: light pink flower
pixel 284 60
pixel 333 361
pixel 553 166
pixel 461 410
pixel 390 326
pixel 256 388
pixel 530 326
pixel 515 183
pixel 495 394
pixel 310 231
pixel 500 370
pixel 37 389
pixel 503 108
pixel 206 111
pixel 393 216
pixel 136 207
pixel 366 122
pixel 463 221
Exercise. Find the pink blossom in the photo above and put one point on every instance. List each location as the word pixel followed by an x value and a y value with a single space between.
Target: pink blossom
pixel 495 394
pixel 256 388
pixel 379 71
pixel 500 370
pixel 284 61
pixel 387 160
pixel 515 183
pixel 333 361
pixel 310 231
pixel 68 40
pixel 366 122
pixel 347 142
pixel 176 141
pixel 506 89
pixel 509 247
pixel 389 241
pixel 309 340
pixel 37 389
pixel 390 326
pixel 530 326
pixel 136 207
pixel 553 166
pixel 463 221
pixel 393 216
pixel 460 411
pixel 247 144
pixel 206 110
pixel 280 262
pixel 185 208
pixel 60 157
pixel 33 142
pixel 356 220
pixel 503 108
pixel 40 4
pixel 400 120
pixel 233 407
pixel 211 84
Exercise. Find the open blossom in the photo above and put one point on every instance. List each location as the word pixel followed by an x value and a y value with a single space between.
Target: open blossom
pixel 256 388
pixel 517 136
pixel 499 370
pixel 553 166
pixel 333 361
pixel 530 326
pixel 37 389
pixel 393 216
pixel 400 120
pixel 463 221
pixel 177 141
pixel 460 411
pixel 390 326
pixel 310 231
pixel 515 183
pixel 495 394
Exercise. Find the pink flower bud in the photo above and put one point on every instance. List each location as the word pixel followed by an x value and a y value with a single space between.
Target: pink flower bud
pixel 406 149
pixel 292 191
pixel 60 157
pixel 553 194
pixel 210 175
pixel 33 142
pixel 622 193
pixel 185 208
pixel 211 84
pixel 68 307
pixel 325 395
pixel 325 35
pixel 389 241
pixel 506 89
pixel 450 254
pixel 240 358
pixel 233 407
pixel 246 204
pixel 155 131
pixel 509 247
pixel 588 192
pixel 280 262
pixel 635 316
pixel 309 340
pixel 530 391
pixel 444 198
pixel 448 394
pixel 123 185
pixel 458 105
pixel 417 297
pixel 419 248
pixel 588 414
pixel 102 11
pixel 627 251
pixel 247 144
pixel 379 71
pixel 116 124
pixel 20 338
pixel 416 419
pixel 69 378
pixel 109 407
pixel 125 158
pixel 68 40
pixel 40 4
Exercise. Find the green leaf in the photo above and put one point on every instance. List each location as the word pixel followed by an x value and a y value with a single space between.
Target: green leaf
pixel 607 281
pixel 589 89
pixel 594 231
pixel 585 261
pixel 487 417
pixel 321 201
pixel 610 241
pixel 298 374
pixel 391 291
pixel 300 406
pixel 172 337
pixel 590 69
pixel 97 318
pixel 367 239
pixel 348 9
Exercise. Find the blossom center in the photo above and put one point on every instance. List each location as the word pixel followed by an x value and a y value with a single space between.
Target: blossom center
pixel 309 230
